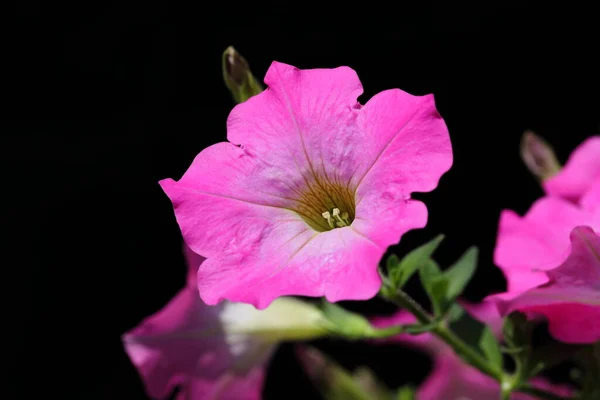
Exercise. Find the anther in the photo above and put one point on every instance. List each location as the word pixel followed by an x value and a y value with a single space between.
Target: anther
pixel 345 217
pixel 327 216
pixel 341 221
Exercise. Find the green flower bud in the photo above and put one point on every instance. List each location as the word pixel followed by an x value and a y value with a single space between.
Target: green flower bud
pixel 238 77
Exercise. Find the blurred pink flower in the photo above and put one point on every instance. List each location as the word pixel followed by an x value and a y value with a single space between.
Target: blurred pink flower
pixel 546 254
pixel 527 246
pixel 451 378
pixel 570 299
pixel 227 387
pixel 311 188
pixel 213 352
pixel 185 344
pixel 580 172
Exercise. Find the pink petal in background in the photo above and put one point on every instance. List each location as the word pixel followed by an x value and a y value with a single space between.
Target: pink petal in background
pixel 579 173
pixel 527 246
pixel 571 298
pixel 184 344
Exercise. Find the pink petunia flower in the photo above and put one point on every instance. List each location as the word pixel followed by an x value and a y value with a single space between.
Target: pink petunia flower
pixel 214 352
pixel 539 251
pixel 570 299
pixel 581 171
pixel 527 246
pixel 451 378
pixel 311 188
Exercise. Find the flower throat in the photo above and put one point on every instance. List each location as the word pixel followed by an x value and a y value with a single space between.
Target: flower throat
pixel 326 205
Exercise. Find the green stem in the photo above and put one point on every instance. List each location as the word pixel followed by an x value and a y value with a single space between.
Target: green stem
pixel 467 353
pixel 386 332
pixel 471 356
pixel 402 299
pixel 506 388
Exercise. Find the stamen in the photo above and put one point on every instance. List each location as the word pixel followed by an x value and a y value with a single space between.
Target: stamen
pixel 341 221
pixel 345 217
pixel 327 216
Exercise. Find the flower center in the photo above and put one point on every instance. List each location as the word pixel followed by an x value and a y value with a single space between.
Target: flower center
pixel 326 205
pixel 337 221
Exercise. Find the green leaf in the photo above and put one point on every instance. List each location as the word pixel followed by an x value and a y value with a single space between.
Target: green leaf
pixel 467 327
pixel 391 262
pixel 455 313
pixel 345 323
pixel 444 287
pixel 406 393
pixel 430 270
pixel 460 273
pixel 400 271
pixel 477 335
pixel 439 292
pixel 436 286
pixel 490 347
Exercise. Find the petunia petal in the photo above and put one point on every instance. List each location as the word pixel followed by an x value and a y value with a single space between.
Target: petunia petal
pixel 527 246
pixel 180 340
pixel 337 264
pixel 305 119
pixel 581 170
pixel 229 387
pixel 541 383
pixel 591 200
pixel 571 299
pixel 568 321
pixel 192 261
pixel 451 379
pixel 219 203
pixel 406 149
pixel 582 268
pixel 573 323
pixel 384 218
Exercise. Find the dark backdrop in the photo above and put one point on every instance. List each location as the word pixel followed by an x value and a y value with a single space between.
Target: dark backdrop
pixel 106 99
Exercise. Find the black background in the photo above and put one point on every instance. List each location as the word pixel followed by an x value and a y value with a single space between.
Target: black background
pixel 106 99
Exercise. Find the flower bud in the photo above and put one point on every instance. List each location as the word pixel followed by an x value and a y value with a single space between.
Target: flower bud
pixel 538 156
pixel 287 318
pixel 238 77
